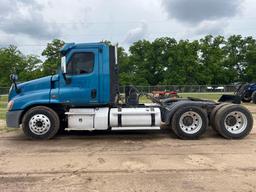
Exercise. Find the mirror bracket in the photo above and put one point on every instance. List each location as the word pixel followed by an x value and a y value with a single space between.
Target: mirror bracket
pixel 66 78
pixel 14 78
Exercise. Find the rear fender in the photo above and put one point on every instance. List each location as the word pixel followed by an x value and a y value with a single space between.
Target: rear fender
pixel 230 99
pixel 171 109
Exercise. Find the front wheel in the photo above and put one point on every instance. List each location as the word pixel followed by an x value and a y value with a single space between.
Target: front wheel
pixel 189 122
pixel 40 123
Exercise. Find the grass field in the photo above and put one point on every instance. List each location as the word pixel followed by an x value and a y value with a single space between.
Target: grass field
pixel 3 106
pixel 207 96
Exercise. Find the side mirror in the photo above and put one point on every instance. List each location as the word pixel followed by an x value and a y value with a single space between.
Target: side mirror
pixel 64 70
pixel 13 78
pixel 63 65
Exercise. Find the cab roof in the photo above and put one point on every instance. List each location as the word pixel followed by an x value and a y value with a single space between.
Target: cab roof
pixel 68 46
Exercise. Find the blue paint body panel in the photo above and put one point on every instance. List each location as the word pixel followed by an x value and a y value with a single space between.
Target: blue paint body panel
pixel 78 92
pixel 33 92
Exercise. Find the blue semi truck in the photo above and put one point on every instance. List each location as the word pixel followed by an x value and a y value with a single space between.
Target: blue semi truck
pixel 84 95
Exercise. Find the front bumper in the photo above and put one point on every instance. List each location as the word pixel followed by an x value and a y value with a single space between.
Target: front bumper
pixel 13 119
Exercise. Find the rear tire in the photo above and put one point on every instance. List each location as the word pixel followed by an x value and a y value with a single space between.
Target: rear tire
pixel 213 115
pixel 247 97
pixel 234 122
pixel 189 122
pixel 254 97
pixel 40 123
pixel 242 91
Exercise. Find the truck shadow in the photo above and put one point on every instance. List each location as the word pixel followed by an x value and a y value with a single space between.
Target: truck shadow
pixel 143 134
pixel 109 135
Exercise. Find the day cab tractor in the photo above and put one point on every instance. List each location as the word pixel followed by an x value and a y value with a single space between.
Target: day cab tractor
pixel 84 96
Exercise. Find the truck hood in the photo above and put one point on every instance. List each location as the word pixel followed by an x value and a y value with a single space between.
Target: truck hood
pixel 31 86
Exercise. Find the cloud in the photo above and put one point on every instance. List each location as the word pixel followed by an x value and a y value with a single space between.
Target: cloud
pixel 5 7
pixel 33 26
pixel 6 40
pixel 197 11
pixel 136 34
pixel 209 28
pixel 25 17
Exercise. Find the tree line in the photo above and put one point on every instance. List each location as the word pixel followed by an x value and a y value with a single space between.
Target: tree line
pixel 29 67
pixel 167 61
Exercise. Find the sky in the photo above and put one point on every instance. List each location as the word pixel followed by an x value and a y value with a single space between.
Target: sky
pixel 31 24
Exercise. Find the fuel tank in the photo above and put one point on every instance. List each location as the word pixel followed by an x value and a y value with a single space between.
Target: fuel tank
pixel 135 118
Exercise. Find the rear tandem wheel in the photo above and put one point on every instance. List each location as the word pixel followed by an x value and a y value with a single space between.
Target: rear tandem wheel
pixel 213 115
pixel 189 122
pixel 233 121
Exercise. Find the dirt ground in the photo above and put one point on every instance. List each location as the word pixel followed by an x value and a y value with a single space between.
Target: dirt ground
pixel 127 162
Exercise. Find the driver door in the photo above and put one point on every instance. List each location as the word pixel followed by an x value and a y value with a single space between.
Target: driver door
pixel 81 86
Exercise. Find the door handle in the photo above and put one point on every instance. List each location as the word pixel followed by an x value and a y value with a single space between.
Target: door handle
pixel 93 93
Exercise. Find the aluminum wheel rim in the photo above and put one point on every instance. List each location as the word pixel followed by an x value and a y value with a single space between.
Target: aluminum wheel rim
pixel 196 124
pixel 240 124
pixel 39 124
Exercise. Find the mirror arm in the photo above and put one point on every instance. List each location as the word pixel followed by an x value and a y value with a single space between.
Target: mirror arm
pixel 64 76
pixel 16 87
pixel 67 80
pixel 14 78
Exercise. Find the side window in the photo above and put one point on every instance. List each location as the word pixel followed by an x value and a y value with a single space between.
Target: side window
pixel 81 63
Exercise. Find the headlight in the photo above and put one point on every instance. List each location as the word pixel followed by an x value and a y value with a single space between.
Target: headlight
pixel 10 105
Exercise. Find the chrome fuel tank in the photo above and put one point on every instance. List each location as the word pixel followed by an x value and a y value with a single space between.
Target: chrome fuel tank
pixel 147 118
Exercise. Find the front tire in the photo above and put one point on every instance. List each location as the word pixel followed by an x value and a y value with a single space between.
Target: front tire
pixel 189 122
pixel 40 123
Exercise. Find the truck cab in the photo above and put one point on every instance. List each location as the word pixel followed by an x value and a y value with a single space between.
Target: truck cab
pixel 89 76
pixel 84 95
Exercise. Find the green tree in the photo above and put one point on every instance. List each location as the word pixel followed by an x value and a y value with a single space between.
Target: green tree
pixel 33 68
pixel 13 61
pixel 139 63
pixel 183 63
pixel 212 60
pixel 236 51
pixel 53 57
pixel 125 70
pixel 158 58
pixel 250 71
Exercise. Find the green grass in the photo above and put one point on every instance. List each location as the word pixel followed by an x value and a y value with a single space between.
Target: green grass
pixel 207 96
pixel 3 106
pixel 2 114
pixel 3 98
